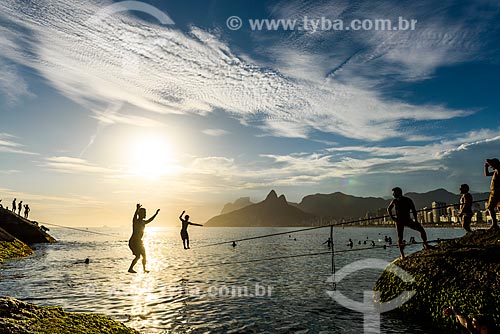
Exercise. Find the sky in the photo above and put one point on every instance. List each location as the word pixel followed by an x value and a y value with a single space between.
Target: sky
pixel 180 106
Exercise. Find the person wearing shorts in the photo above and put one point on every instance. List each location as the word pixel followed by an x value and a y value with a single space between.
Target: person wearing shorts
pixel 404 206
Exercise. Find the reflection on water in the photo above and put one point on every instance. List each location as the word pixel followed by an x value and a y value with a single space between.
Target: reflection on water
pixel 179 295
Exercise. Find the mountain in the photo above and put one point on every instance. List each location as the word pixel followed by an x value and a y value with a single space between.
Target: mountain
pixel 273 211
pixel 422 200
pixel 240 203
pixel 339 205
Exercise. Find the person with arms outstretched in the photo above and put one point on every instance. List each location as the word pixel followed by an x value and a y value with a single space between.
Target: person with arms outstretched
pixel 404 206
pixel 135 243
pixel 494 199
pixel 184 232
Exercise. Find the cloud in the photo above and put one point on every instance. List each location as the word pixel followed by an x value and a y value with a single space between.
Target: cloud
pixel 165 70
pixel 12 85
pixel 72 165
pixel 215 132
pixel 8 145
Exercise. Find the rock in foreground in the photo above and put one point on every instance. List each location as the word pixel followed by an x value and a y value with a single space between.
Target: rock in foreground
pixel 18 317
pixel 464 272
pixel 11 247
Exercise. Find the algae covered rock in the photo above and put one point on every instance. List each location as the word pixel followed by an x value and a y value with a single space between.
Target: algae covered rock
pixel 11 247
pixel 18 317
pixel 464 272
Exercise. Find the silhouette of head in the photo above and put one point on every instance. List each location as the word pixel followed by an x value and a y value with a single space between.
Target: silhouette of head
pixel 397 192
pixel 187 217
pixel 464 188
pixel 87 261
pixel 142 213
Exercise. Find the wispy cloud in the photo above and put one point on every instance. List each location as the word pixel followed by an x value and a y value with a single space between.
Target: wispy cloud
pixel 215 132
pixel 72 165
pixel 12 85
pixel 8 145
pixel 192 72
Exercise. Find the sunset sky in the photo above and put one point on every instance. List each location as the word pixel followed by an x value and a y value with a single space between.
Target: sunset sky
pixel 102 107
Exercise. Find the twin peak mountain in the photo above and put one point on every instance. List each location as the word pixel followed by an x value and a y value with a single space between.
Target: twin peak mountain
pixel 275 211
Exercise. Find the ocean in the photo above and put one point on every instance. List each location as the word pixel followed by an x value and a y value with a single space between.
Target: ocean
pixel 210 289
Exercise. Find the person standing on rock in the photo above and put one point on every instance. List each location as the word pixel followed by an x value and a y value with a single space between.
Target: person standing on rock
pixel 19 208
pixel 14 205
pixel 404 206
pixel 494 200
pixel 465 212
pixel 26 211
pixel 135 243
pixel 479 324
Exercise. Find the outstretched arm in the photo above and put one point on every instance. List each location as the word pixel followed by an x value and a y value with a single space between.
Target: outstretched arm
pixel 138 206
pixel 154 216
pixel 195 224
pixel 389 210
pixel 464 321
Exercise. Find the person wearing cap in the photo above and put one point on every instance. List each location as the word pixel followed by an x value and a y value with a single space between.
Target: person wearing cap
pixel 465 212
pixel 478 324
pixel 494 199
pixel 404 206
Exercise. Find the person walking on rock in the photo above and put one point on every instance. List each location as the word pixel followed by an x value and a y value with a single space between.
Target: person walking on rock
pixel 404 206
pixel 465 212
pixel 494 199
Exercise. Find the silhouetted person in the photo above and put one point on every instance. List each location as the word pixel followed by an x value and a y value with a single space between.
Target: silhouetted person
pixel 328 242
pixel 494 199
pixel 14 207
pixel 135 243
pixel 234 244
pixel 359 242
pixel 26 211
pixel 404 206
pixel 1 206
pixel 389 240
pixel 386 239
pixel 479 324
pixel 465 212
pixel 19 207
pixel 373 243
pixel 184 232
pixel 350 243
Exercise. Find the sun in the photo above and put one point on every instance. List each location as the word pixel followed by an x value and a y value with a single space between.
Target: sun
pixel 150 157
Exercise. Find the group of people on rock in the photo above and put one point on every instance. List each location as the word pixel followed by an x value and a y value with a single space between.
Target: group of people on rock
pixel 404 206
pixel 19 207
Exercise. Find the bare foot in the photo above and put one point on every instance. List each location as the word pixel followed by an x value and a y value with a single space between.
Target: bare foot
pixel 132 271
pixel 146 271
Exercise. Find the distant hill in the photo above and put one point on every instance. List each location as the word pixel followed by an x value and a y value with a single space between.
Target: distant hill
pixel 276 211
pixel 273 211
pixel 240 203
pixel 339 205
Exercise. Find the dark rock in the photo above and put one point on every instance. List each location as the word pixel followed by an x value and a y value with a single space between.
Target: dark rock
pixel 463 272
pixel 23 229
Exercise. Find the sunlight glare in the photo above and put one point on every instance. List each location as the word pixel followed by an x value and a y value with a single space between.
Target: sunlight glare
pixel 150 157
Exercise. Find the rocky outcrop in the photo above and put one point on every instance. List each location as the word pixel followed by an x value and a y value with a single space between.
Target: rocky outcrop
pixel 273 211
pixel 24 318
pixel 464 272
pixel 11 247
pixel 240 203
pixel 23 229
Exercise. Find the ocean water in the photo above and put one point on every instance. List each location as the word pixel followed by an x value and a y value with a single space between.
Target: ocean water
pixel 191 291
